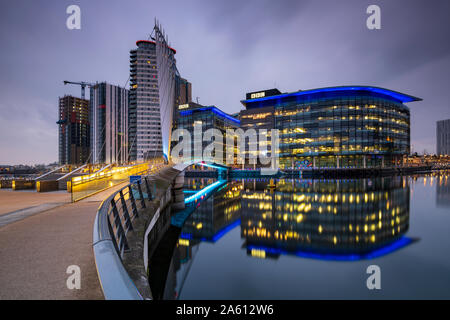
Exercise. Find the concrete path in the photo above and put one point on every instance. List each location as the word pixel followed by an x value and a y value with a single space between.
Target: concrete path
pixel 14 216
pixel 11 201
pixel 36 251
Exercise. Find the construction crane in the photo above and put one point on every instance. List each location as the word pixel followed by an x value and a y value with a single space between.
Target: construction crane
pixel 83 86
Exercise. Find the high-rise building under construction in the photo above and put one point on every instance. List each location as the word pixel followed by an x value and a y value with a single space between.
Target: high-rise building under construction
pixel 73 130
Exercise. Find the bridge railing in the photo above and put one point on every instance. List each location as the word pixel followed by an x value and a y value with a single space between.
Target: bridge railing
pixel 113 223
pixel 126 229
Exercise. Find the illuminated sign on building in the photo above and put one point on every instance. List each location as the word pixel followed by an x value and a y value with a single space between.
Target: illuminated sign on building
pixel 183 106
pixel 262 94
pixel 258 95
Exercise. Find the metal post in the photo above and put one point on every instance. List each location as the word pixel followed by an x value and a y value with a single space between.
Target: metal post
pixel 126 214
pixel 141 194
pixel 133 201
pixel 122 239
pixel 149 191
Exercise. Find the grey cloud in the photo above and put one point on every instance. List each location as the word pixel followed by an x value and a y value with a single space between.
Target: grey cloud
pixel 225 48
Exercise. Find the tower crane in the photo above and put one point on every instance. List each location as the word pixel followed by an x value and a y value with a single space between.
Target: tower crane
pixel 83 86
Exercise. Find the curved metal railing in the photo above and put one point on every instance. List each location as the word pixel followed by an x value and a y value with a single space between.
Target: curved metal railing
pixel 113 222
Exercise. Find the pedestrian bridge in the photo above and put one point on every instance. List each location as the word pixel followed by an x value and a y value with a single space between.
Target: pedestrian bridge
pixel 220 167
pixel 223 172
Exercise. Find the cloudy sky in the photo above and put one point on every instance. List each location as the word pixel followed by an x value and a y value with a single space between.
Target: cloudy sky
pixel 225 48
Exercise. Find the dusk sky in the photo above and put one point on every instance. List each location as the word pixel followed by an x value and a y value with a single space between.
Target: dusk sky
pixel 225 49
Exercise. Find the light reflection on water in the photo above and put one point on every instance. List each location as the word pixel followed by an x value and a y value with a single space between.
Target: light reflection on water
pixel 295 239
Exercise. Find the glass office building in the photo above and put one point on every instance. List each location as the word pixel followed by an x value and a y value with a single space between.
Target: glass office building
pixel 334 127
pixel 191 115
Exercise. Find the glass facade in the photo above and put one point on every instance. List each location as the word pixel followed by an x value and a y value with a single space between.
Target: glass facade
pixel 346 127
pixel 205 118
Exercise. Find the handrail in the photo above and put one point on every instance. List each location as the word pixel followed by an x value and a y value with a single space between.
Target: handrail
pixel 71 172
pixel 47 173
pixel 109 241
pixel 113 222
pixel 105 174
pixel 104 168
pixel 115 282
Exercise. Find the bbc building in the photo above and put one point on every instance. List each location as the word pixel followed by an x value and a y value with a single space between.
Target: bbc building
pixel 334 127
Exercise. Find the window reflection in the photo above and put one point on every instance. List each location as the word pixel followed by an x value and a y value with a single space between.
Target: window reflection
pixel 321 219
pixel 332 219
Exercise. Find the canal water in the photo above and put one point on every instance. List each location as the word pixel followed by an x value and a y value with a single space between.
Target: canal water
pixel 315 239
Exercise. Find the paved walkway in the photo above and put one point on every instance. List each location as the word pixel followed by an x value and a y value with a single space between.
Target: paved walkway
pixel 17 200
pixel 36 251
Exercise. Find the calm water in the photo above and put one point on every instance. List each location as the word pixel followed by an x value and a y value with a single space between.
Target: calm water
pixel 314 239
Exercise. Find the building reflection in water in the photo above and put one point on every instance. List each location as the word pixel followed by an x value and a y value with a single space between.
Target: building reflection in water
pixel 443 190
pixel 321 219
pixel 212 219
pixel 215 216
pixel 329 219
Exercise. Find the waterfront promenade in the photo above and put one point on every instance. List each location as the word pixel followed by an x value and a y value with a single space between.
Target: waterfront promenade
pixel 36 250
pixel 12 201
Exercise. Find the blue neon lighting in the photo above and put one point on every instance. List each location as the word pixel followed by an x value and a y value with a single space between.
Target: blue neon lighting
pixel 394 246
pixel 225 230
pixel 219 234
pixel 203 192
pixel 393 94
pixel 213 109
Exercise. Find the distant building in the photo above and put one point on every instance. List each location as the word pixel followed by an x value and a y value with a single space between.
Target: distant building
pixel 73 130
pixel 348 126
pixel 443 137
pixel 109 123
pixel 183 94
pixel 183 91
pixel 192 114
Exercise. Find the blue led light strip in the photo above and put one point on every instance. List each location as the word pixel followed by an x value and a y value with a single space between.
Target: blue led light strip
pixel 213 109
pixel 203 192
pixel 219 234
pixel 393 94
pixel 396 245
